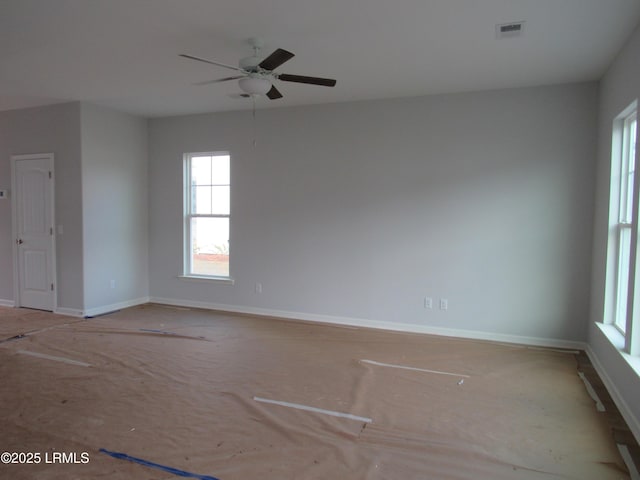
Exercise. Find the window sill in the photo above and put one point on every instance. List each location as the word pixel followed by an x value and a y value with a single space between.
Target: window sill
pixel 203 279
pixel 617 340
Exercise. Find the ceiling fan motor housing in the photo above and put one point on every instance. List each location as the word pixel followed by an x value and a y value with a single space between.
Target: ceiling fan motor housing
pixel 250 64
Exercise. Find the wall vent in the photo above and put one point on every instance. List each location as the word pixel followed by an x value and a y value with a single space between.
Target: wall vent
pixel 511 29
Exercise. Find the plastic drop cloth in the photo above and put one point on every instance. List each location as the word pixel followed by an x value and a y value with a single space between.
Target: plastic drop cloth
pixel 178 387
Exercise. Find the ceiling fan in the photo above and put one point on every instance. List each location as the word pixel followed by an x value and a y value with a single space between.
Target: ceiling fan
pixel 256 74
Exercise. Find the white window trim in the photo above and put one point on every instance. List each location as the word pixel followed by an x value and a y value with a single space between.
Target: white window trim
pixel 614 336
pixel 631 334
pixel 186 230
pixel 206 279
pixel 628 339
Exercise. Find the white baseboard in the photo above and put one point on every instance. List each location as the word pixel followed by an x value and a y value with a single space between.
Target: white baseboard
pixel 71 312
pixel 93 312
pixel 625 411
pixel 364 323
pixel 60 311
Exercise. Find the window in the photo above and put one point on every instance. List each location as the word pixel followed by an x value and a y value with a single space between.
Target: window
pixel 207 185
pixel 625 217
pixel 624 231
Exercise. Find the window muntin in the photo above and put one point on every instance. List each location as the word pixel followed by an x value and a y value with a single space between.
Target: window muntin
pixel 207 214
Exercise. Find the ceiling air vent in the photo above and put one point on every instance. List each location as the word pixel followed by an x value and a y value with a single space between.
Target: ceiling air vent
pixel 512 29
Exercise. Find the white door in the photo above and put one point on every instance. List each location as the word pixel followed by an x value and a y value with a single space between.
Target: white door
pixel 34 252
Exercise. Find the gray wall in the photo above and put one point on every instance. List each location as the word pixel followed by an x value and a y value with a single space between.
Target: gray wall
pixel 115 207
pixel 619 87
pixel 361 210
pixel 53 129
pixel 101 201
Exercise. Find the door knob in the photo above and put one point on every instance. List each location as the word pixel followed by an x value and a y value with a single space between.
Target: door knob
pixel 19 241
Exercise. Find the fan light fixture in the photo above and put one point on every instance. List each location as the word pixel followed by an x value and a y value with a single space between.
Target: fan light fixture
pixel 254 85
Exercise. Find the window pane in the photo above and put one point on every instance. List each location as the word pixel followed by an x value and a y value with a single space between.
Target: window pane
pixel 210 246
pixel 632 144
pixel 627 208
pixel 201 170
pixel 201 200
pixel 628 163
pixel 208 194
pixel 220 170
pixel 220 200
pixel 623 278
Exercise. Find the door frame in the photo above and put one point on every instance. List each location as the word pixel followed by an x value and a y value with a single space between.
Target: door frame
pixel 14 226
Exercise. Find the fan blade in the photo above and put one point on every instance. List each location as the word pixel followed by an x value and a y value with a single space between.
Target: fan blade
pixel 274 94
pixel 276 59
pixel 325 82
pixel 208 82
pixel 191 57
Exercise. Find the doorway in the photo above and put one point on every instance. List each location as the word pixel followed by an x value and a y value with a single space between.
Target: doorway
pixel 33 228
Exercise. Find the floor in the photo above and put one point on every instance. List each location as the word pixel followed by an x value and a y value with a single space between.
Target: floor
pixel 156 392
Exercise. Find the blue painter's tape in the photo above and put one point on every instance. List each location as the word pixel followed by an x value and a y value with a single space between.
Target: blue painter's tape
pixel 146 463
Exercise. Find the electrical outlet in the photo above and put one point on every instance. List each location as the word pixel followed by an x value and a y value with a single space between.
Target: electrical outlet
pixel 428 302
pixel 112 284
pixel 258 287
pixel 444 304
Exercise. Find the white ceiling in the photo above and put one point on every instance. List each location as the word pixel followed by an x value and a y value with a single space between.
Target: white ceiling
pixel 124 53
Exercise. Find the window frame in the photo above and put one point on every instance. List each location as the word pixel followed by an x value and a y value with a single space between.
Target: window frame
pixel 187 268
pixel 623 221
